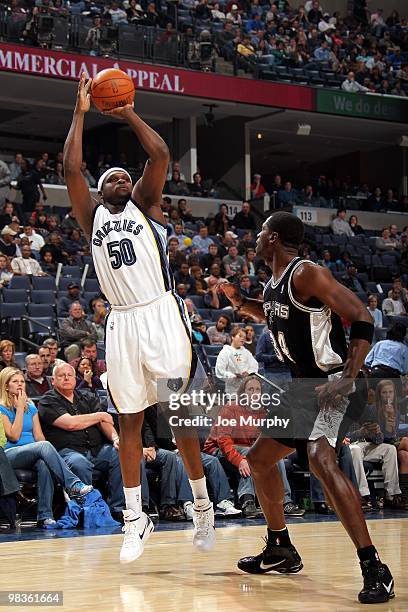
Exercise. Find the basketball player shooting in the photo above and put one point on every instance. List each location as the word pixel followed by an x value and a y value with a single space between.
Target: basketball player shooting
pixel 302 305
pixel 148 333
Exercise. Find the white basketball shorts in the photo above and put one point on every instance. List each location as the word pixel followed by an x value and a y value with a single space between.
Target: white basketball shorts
pixel 148 346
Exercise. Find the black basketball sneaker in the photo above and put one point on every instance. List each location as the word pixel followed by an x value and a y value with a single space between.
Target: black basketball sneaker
pixel 378 583
pixel 281 559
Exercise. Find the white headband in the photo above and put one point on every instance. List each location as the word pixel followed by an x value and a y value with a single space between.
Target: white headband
pixel 107 174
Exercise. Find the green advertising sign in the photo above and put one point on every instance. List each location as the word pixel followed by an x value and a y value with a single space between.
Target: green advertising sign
pixel 362 105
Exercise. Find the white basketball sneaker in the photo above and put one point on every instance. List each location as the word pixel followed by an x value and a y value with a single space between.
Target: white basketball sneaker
pixel 137 530
pixel 204 531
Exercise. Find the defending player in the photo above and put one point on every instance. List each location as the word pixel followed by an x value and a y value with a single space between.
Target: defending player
pixel 303 304
pixel 148 334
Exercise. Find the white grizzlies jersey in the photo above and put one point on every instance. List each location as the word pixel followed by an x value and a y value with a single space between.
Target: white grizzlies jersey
pixel 129 252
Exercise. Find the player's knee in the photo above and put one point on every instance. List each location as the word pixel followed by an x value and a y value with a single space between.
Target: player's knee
pixel 320 460
pixel 255 461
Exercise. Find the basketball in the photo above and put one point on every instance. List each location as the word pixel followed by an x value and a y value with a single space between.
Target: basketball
pixel 112 88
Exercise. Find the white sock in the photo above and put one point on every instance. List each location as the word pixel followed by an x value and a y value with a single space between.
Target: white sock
pixel 199 488
pixel 133 498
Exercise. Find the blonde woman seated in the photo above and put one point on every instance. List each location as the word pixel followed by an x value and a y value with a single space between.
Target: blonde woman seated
pixel 26 447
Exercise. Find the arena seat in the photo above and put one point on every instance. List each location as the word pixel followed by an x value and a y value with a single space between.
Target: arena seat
pixel 12 296
pixel 212 349
pixel 71 271
pixel 44 283
pixel 42 296
pixel 20 282
pixel 41 310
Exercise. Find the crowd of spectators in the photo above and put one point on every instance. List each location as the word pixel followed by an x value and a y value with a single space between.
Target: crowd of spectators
pixel 367 50
pixel 326 192
pixel 202 253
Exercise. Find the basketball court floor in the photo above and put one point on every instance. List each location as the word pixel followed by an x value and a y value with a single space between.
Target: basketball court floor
pixel 172 576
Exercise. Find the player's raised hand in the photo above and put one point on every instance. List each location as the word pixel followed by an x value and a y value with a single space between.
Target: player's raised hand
pixel 231 292
pixel 83 103
pixel 122 112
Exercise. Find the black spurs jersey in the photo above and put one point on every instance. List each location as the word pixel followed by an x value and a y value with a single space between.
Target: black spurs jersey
pixel 308 338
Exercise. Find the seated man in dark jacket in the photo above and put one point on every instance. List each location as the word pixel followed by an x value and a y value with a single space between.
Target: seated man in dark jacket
pixel 83 434
pixel 36 382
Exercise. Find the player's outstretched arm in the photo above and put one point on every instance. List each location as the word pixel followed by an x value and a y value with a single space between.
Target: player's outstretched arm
pixel 246 306
pixel 149 188
pixel 81 200
pixel 314 281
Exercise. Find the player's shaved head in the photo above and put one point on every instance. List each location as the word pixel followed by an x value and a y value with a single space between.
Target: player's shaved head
pixel 289 228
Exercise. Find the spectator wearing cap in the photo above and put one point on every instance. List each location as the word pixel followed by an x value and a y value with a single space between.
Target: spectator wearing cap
pixel 233 16
pixel 339 224
pixel 26 265
pixel 244 219
pixel 7 245
pixel 65 302
pixel 325 25
pixel 202 241
pixel 74 329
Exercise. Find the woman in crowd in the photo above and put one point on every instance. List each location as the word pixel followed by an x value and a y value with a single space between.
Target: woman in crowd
pixel 222 222
pixel 26 447
pixel 48 263
pixel 353 223
pixel 9 485
pixel 7 214
pixel 388 417
pixel 7 351
pixel 86 377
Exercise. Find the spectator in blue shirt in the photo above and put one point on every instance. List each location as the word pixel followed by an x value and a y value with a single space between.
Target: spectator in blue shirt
pixel 286 196
pixel 322 53
pixel 389 358
pixel 255 24
pixel 326 262
pixel 26 447
pixel 202 241
pixel 374 311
